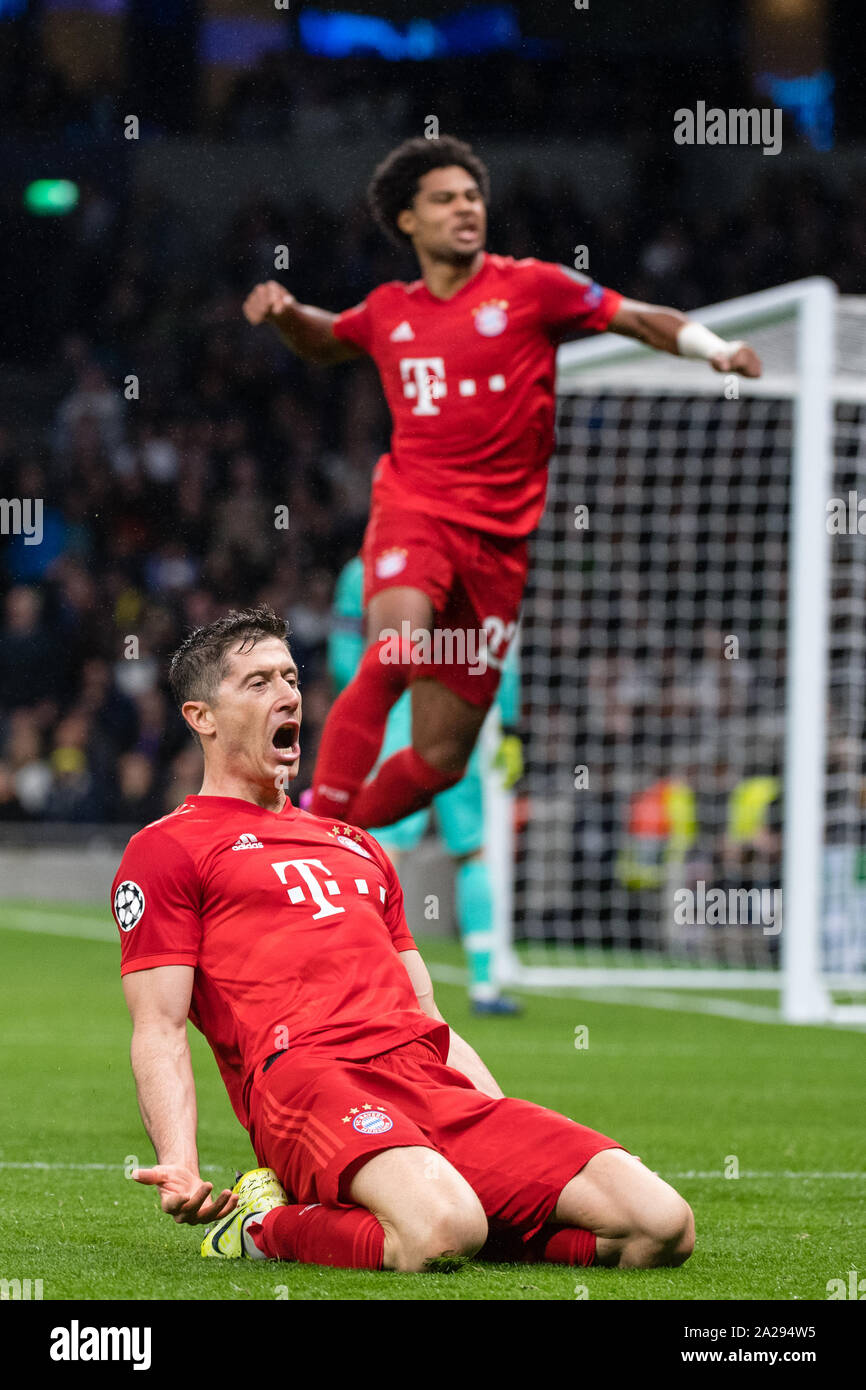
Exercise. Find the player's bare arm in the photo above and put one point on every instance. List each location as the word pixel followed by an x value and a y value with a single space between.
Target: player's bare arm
pixel 158 1001
pixel 308 331
pixel 461 1056
pixel 669 330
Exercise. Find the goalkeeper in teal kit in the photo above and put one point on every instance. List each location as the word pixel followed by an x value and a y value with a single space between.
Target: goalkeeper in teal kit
pixel 459 810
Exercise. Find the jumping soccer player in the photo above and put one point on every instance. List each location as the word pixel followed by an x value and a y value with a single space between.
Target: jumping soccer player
pixel 384 1140
pixel 466 356
pixel 459 811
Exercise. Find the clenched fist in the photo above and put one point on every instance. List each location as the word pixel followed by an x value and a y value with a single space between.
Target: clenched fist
pixel 268 301
pixel 744 361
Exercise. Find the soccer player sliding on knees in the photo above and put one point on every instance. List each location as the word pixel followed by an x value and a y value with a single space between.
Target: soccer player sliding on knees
pixel 466 355
pixel 384 1141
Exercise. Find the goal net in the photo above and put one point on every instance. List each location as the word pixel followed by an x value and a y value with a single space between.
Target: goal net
pixel 693 664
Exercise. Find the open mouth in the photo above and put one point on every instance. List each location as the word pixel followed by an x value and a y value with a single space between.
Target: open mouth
pixel 285 739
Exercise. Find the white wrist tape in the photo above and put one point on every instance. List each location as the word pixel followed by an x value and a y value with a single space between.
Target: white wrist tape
pixel 694 340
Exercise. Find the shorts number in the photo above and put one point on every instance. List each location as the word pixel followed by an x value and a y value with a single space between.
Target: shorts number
pixel 499 638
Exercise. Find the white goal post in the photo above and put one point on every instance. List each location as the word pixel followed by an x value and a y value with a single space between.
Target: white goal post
pixel 693 664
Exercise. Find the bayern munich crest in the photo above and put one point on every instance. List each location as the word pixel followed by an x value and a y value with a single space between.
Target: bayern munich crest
pixel 352 844
pixel 128 904
pixel 391 562
pixel 491 319
pixel 372 1122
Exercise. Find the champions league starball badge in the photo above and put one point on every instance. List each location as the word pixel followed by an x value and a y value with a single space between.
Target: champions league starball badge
pixel 128 904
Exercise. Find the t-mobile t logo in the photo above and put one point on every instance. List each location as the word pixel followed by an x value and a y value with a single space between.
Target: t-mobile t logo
pixel 304 868
pixel 423 379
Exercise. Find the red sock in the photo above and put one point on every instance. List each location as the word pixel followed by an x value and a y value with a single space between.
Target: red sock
pixel 562 1245
pixel 403 784
pixel 354 731
pixel 345 1237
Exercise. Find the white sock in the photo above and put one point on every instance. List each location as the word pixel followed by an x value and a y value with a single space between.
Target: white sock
pixel 248 1244
pixel 483 994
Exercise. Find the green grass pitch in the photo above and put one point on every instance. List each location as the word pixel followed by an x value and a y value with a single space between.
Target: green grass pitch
pixel 693 1094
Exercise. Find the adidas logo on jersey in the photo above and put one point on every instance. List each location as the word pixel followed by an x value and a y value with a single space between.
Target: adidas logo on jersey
pixel 247 842
pixel 402 333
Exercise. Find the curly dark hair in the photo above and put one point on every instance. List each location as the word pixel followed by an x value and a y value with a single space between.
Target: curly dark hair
pixel 395 181
pixel 200 663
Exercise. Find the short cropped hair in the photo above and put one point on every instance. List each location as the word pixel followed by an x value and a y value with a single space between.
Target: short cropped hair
pixel 201 662
pixel 395 181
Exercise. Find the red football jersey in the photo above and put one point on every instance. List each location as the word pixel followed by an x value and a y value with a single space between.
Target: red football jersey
pixel 470 382
pixel 293 924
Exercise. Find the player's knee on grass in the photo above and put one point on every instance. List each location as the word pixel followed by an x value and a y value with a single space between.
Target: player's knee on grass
pixel 447 1229
pixel 665 1233
pixel 639 1219
pixel 446 1220
pixel 427 1209
pixel 675 1233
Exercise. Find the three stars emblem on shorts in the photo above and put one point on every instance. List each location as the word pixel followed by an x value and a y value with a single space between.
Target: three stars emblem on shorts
pixel 369 1118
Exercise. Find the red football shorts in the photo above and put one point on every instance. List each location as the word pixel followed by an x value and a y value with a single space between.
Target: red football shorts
pixel 316 1120
pixel 474 580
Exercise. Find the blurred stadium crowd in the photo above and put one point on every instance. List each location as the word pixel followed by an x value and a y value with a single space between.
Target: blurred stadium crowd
pixel 160 497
